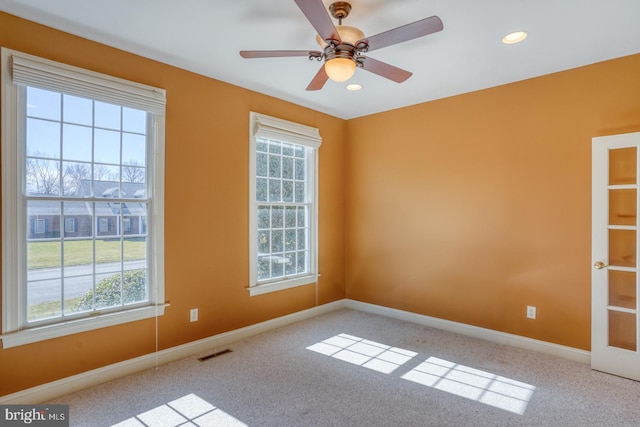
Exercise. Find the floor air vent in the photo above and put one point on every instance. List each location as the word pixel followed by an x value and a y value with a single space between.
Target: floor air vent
pixel 211 356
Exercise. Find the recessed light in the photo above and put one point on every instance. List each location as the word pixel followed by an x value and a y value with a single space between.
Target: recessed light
pixel 514 37
pixel 354 86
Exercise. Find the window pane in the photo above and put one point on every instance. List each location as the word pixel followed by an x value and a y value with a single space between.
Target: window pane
pixel 76 143
pixel 263 268
pixel 134 120
pixel 275 190
pixel 274 166
pixel 290 240
pixel 108 292
pixel 78 291
pixel 107 224
pixel 261 189
pixel 107 115
pixel 133 149
pixel 106 146
pixel 300 175
pixel 43 138
pixel 300 192
pixel 277 243
pixel 277 217
pixel 287 168
pixel 261 164
pixel 44 298
pixel 261 145
pixel 291 265
pixel 302 264
pixel 77 110
pixel 287 149
pixel 133 174
pixel 74 179
pixel 302 239
pixel 108 173
pixel 277 265
pixel 263 217
pixel 264 242
pixel 135 288
pixel 287 191
pixel 302 217
pixel 290 217
pixel 43 176
pixel 43 103
pixel 275 147
pixel 78 222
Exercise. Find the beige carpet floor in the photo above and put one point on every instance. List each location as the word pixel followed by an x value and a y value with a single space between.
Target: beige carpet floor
pixel 350 368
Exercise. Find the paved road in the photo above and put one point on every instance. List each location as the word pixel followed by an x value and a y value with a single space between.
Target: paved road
pixel 45 283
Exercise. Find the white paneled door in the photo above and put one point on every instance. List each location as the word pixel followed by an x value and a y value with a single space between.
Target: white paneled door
pixel 614 281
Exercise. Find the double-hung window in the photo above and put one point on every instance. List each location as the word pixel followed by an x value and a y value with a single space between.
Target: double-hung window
pixel 283 204
pixel 81 153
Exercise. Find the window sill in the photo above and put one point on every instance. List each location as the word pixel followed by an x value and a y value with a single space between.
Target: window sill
pixel 281 285
pixel 28 336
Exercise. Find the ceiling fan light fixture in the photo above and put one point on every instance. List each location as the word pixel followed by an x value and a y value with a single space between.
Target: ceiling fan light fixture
pixel 340 69
pixel 514 37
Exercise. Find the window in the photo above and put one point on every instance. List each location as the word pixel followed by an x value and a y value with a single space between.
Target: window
pixel 39 226
pixel 283 203
pixel 69 225
pixel 79 151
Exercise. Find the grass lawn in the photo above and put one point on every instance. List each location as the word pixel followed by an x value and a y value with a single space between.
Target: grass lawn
pixel 79 252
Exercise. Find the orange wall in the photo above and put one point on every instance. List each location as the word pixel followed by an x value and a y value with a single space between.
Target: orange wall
pixel 472 207
pixel 206 212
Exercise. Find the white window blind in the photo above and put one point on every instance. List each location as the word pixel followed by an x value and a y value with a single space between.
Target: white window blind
pixel 32 71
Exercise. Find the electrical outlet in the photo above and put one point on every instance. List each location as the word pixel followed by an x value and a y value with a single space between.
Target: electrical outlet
pixel 531 312
pixel 193 315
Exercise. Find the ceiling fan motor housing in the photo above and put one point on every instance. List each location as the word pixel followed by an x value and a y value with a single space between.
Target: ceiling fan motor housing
pixel 340 10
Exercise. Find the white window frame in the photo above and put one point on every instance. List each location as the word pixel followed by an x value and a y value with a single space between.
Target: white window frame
pixel 263 126
pixel 20 70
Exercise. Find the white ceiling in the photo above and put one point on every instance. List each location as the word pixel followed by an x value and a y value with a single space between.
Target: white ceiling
pixel 204 36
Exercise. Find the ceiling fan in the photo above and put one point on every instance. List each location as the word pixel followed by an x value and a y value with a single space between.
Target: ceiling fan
pixel 343 46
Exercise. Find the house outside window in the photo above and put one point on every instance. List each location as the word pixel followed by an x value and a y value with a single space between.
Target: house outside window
pixel 79 151
pixel 283 204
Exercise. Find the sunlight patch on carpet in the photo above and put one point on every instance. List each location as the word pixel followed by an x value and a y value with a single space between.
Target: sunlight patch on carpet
pixel 359 351
pixel 187 410
pixel 481 386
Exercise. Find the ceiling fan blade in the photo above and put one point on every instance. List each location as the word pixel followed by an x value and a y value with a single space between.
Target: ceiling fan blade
pixel 385 70
pixel 421 28
pixel 318 16
pixel 279 53
pixel 318 80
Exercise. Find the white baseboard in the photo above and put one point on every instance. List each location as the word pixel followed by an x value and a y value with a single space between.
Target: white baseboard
pixel 557 350
pixel 94 377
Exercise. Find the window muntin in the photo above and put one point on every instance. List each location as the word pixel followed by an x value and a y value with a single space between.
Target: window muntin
pixel 80 153
pixel 283 170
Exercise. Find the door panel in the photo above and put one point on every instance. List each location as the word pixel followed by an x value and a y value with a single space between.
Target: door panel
pixel 614 316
